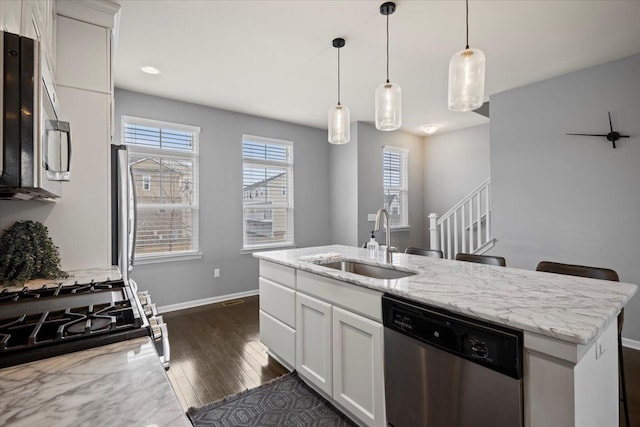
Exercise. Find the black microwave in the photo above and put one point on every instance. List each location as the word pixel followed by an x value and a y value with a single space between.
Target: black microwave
pixel 35 147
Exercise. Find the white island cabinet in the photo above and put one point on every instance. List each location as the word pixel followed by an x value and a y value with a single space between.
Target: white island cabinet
pixel 570 366
pixel 336 332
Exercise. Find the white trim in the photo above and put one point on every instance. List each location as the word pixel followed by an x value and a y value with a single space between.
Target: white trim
pixel 268 248
pixel 132 120
pixel 629 343
pixel 205 301
pixel 400 228
pixel 398 150
pixel 169 257
pixel 266 140
pixel 102 13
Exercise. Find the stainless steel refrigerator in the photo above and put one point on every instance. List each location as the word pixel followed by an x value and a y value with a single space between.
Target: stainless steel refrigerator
pixel 123 211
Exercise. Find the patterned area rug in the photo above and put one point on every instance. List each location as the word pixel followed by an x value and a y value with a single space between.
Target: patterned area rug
pixel 286 401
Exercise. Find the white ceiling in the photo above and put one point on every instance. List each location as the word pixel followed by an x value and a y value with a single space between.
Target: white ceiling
pixel 274 58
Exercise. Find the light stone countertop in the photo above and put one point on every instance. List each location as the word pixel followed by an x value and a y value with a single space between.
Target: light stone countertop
pixel 85 275
pixel 121 384
pixel 568 308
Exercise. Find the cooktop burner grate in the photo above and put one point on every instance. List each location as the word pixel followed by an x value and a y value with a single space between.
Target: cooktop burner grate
pixel 56 290
pixel 48 321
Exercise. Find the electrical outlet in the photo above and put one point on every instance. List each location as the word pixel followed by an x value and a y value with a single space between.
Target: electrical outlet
pixel 371 217
pixel 216 273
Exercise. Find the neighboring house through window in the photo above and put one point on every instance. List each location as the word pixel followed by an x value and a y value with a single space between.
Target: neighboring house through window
pixel 267 195
pixel 164 160
pixel 395 167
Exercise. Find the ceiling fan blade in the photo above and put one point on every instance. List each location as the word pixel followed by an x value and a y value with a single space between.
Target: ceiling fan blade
pixel 585 134
pixel 624 136
pixel 610 125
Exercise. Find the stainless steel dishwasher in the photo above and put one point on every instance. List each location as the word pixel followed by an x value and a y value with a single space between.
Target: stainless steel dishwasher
pixel 447 370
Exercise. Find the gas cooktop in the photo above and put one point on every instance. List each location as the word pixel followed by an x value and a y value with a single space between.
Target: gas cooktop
pixel 49 321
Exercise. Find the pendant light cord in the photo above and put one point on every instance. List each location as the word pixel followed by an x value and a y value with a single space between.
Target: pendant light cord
pixel 338 76
pixel 387 48
pixel 467 24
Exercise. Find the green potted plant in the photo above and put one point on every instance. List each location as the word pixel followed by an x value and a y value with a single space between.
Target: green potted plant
pixel 27 252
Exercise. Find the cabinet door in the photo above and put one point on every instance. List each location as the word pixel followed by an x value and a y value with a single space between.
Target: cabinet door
pixel 278 301
pixel 313 341
pixel 357 366
pixel 11 16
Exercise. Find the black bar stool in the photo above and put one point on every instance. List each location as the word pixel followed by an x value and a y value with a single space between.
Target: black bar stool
pixel 431 253
pixel 603 274
pixel 482 259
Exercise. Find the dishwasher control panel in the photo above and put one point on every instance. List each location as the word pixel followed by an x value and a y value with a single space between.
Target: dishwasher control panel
pixel 494 346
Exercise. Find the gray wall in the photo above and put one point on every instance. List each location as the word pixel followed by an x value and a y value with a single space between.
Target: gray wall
pixel 370 185
pixel 563 198
pixel 454 164
pixel 343 175
pixel 221 196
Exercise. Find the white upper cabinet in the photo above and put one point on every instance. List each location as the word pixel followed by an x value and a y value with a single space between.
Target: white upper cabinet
pixel 11 15
pixel 85 61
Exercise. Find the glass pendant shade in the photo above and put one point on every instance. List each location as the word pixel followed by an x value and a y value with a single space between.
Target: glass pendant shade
pixel 339 124
pixel 388 107
pixel 466 80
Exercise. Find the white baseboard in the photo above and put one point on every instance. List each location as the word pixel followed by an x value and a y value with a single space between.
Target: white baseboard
pixel 629 343
pixel 205 301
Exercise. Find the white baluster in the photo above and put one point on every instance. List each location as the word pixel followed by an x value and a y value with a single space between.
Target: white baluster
pixel 434 242
pixel 443 244
pixel 455 232
pixel 449 237
pixel 487 217
pixel 479 214
pixel 471 225
pixel 464 229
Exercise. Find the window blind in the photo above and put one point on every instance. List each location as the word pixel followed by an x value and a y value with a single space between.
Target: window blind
pixel 395 183
pixel 163 158
pixel 267 192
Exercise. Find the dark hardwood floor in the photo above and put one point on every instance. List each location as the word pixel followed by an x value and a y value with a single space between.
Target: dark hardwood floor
pixel 632 376
pixel 216 351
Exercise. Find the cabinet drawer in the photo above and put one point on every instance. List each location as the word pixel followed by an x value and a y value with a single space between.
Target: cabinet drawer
pixel 352 297
pixel 279 338
pixel 278 273
pixel 278 301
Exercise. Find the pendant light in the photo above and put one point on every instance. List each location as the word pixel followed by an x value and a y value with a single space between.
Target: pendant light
pixel 388 95
pixel 466 77
pixel 339 116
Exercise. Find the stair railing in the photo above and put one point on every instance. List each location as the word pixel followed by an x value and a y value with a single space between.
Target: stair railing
pixel 466 227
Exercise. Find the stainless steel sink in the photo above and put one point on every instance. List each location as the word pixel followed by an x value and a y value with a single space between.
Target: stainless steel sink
pixel 368 270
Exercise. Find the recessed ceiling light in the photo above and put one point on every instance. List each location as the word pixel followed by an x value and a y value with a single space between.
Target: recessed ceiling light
pixel 150 70
pixel 430 128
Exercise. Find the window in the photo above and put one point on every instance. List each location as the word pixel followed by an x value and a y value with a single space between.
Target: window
pixel 395 167
pixel 163 158
pixel 267 195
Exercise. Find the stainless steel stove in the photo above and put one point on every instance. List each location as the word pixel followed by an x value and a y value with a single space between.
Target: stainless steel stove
pixel 54 320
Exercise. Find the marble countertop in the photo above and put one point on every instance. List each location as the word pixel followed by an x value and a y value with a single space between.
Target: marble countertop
pixel 121 384
pixel 568 308
pixel 85 275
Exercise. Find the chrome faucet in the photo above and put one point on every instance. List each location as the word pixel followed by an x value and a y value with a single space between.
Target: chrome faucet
pixel 388 252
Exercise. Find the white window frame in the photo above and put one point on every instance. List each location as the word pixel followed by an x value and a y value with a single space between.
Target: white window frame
pixel 289 205
pixel 404 184
pixel 193 156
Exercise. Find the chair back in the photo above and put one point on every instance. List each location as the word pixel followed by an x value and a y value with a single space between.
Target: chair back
pixel 482 259
pixel 583 271
pixel 578 270
pixel 431 253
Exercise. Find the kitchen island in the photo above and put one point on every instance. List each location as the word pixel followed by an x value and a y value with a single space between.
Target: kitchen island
pixel 568 323
pixel 121 384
